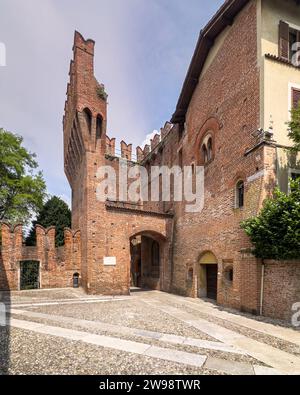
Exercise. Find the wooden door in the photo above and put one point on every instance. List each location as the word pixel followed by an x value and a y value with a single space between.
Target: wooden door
pixel 212 281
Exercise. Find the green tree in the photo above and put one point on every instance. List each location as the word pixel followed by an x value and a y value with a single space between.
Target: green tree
pixel 22 190
pixel 56 213
pixel 294 127
pixel 275 232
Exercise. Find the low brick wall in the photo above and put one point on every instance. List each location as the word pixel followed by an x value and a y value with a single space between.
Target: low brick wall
pixel 281 289
pixel 57 265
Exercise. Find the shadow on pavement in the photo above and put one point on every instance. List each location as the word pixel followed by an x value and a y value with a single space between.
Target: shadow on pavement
pixel 4 321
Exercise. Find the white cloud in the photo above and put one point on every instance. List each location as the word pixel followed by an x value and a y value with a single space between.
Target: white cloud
pixel 149 137
pixel 66 199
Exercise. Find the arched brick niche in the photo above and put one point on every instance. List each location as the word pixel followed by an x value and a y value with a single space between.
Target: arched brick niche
pixel 206 142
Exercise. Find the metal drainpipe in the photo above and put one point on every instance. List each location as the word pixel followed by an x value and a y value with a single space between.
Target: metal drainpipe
pixel 262 287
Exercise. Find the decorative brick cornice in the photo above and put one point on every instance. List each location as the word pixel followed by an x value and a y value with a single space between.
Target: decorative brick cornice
pixel 128 207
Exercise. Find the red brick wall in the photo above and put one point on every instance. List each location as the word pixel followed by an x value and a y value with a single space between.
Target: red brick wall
pixel 281 288
pixel 225 102
pixel 57 265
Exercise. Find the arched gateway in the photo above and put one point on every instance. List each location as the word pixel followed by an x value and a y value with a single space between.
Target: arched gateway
pixel 140 254
pixel 149 260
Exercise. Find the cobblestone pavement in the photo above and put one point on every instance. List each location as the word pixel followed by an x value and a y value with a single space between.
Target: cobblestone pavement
pixel 68 332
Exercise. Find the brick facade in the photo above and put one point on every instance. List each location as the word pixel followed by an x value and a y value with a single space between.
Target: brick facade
pixel 224 106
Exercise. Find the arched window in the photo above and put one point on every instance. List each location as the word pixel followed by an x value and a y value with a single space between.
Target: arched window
pixel 76 280
pixel 155 254
pixel 240 194
pixel 204 154
pixel 209 149
pixel 88 118
pixel 207 136
pixel 99 127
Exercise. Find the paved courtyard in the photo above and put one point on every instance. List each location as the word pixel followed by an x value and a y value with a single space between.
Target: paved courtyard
pixel 67 332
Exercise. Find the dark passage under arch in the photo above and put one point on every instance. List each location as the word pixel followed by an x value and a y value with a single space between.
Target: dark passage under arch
pixel 146 261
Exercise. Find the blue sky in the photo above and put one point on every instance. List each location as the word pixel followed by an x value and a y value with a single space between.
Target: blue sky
pixel 143 49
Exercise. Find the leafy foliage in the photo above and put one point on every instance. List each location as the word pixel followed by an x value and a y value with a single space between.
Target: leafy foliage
pixel 294 127
pixel 275 232
pixel 22 192
pixel 54 213
pixel 101 92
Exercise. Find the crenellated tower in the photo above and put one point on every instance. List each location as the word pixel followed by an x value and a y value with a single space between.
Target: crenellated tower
pixel 84 126
pixel 85 109
pixel 107 228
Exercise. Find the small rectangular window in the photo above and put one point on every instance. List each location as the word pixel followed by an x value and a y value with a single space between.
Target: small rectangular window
pixel 295 97
pixel 240 194
pixel 295 176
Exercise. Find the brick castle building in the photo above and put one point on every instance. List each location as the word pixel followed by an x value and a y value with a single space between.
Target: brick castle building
pixel 230 118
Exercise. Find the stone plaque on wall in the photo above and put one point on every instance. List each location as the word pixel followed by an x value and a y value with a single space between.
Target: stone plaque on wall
pixel 109 261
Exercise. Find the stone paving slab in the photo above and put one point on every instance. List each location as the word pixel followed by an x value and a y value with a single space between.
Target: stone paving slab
pixel 218 346
pixel 278 359
pixel 265 371
pixel 176 356
pixel 113 343
pixel 122 330
pixel 116 344
pixel 229 367
pixel 67 302
pixel 286 334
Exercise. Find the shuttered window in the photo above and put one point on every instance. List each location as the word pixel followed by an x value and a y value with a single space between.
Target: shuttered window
pixel 295 97
pixel 284 40
pixel 288 36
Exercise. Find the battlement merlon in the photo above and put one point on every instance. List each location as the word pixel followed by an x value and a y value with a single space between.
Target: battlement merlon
pixel 139 154
pixel 155 141
pixel 126 150
pixel 12 238
pixel 85 45
pixel 110 146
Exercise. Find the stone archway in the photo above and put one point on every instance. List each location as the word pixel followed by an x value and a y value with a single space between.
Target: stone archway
pixel 208 276
pixel 148 260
